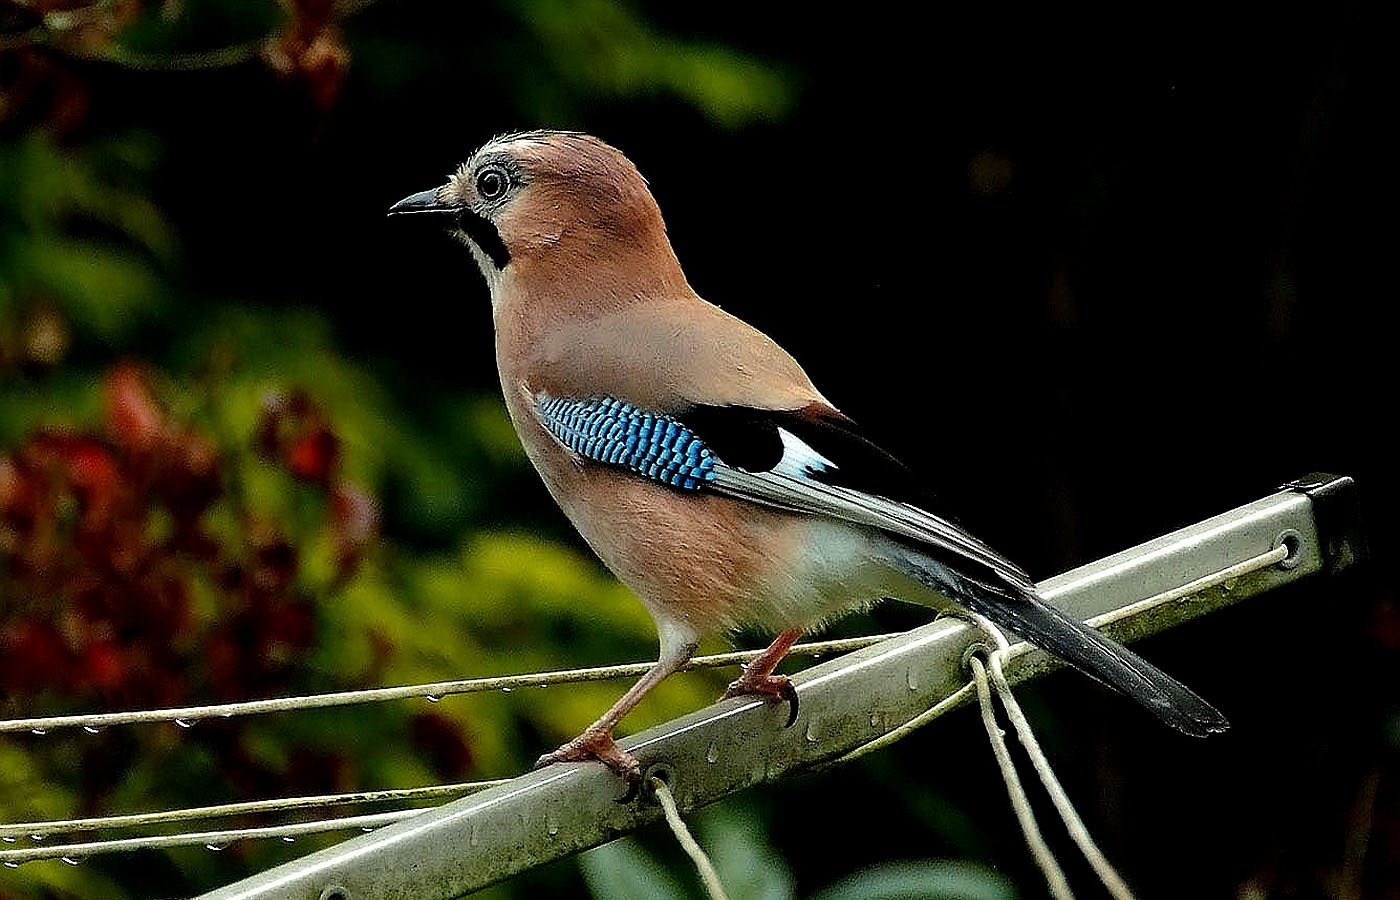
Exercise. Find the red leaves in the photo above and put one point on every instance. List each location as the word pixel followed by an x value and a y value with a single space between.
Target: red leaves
pixel 354 524
pixel 295 432
pixel 55 485
pixel 310 49
pixel 137 570
pixel 90 588
pixel 104 546
pixel 439 740
pixel 180 465
pixel 311 456
pixel 132 416
pixel 33 654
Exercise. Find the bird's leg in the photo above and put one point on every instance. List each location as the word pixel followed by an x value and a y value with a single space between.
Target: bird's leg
pixel 596 741
pixel 758 677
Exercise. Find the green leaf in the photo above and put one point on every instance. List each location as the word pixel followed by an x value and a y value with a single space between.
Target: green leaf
pixel 623 870
pixel 931 879
pixel 748 866
pixel 605 47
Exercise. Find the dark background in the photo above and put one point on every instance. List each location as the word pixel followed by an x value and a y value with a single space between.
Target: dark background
pixel 1098 272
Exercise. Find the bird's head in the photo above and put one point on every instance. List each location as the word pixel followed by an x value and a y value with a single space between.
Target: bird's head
pixel 557 205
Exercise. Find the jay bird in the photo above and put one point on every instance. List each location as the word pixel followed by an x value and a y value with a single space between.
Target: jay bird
pixel 693 453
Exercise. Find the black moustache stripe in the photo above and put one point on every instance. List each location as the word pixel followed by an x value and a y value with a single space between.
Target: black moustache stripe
pixel 485 236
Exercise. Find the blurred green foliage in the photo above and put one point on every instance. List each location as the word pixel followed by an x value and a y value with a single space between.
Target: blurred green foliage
pixel 605 48
pixel 81 244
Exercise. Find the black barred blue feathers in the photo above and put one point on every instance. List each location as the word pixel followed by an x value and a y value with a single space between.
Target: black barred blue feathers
pixel 616 432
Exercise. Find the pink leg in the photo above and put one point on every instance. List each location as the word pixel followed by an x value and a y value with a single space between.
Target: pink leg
pixel 758 677
pixel 596 741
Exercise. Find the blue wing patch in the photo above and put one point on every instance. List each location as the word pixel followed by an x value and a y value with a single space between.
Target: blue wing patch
pixel 612 431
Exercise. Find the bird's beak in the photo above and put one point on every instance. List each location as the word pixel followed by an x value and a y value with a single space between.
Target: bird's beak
pixel 424 202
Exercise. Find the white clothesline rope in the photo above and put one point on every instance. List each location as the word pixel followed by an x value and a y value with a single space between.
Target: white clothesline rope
pixel 1044 857
pixel 714 888
pixel 1078 831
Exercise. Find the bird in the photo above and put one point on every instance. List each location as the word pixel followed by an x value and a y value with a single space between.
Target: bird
pixel 694 454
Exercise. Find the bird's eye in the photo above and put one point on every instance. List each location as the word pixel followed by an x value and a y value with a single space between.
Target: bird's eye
pixel 491 184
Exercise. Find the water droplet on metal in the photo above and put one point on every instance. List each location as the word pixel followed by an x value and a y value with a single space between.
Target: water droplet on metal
pixel 506 689
pixel 186 723
pixel 71 860
pixel 215 846
pixel 39 731
pixel 911 678
pixel 434 698
pixel 38 836
pixel 9 839
pixel 288 839
pixel 712 754
pixel 10 864
pixel 93 729
pixel 473 838
pixel 812 732
pixel 366 828
pixel 551 824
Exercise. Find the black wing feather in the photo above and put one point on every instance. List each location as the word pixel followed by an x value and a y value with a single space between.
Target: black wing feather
pixel 748 438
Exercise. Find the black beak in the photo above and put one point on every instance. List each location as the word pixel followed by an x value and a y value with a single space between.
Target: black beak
pixel 482 232
pixel 423 202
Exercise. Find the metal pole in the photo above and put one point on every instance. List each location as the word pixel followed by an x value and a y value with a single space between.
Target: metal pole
pixel 846 702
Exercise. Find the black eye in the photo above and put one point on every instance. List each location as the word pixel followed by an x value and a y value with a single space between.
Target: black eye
pixel 491 184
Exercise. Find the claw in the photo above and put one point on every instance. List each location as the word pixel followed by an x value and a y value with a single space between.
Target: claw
pixel 774 687
pixel 789 693
pixel 634 789
pixel 599 745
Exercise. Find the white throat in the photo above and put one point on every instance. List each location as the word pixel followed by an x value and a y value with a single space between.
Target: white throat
pixel 494 276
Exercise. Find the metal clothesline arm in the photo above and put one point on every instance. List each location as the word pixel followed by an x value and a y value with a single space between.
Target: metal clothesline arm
pixel 846 703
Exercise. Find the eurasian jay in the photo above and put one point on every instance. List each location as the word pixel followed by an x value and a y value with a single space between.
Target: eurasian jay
pixel 696 457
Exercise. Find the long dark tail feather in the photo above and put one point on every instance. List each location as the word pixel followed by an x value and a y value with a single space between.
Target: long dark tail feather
pixel 1077 644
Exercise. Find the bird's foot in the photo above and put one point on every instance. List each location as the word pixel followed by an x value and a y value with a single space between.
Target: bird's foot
pixel 773 687
pixel 599 745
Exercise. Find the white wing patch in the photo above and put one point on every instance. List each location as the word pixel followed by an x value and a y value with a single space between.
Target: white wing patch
pixel 799 459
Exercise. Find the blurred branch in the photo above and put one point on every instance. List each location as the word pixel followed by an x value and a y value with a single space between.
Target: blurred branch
pixel 90 32
pixel 220 58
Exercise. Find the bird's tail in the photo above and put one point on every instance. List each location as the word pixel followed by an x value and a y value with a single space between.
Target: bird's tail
pixel 1029 616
